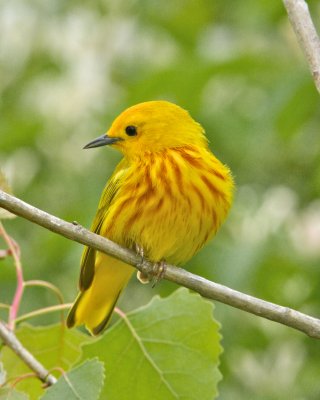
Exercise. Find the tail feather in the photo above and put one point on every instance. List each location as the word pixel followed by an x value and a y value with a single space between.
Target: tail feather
pixel 94 306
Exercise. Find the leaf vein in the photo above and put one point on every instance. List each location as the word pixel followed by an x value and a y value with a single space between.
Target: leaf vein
pixel 149 358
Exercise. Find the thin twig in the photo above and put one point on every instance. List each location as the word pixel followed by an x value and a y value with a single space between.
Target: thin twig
pixel 211 290
pixel 47 285
pixel 44 311
pixel 4 254
pixel 9 338
pixel 15 252
pixel 15 380
pixel 305 30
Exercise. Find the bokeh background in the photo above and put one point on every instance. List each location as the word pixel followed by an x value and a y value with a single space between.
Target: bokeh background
pixel 68 68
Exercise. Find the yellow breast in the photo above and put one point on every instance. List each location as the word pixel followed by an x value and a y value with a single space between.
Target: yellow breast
pixel 170 203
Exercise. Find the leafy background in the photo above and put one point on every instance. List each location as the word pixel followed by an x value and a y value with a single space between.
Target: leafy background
pixel 68 68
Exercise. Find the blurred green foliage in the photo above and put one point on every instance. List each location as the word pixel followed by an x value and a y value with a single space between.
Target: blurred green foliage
pixel 68 68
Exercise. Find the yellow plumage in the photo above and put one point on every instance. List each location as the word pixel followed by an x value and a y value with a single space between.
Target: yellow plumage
pixel 168 195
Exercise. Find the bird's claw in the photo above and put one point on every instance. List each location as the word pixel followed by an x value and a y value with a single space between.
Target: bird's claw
pixel 141 276
pixel 158 272
pixel 153 276
pixel 140 252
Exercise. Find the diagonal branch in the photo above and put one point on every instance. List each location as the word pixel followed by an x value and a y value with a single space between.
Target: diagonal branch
pixel 9 338
pixel 306 33
pixel 211 290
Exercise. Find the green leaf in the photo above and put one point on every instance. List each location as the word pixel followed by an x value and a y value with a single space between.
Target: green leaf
pixel 168 349
pixel 9 393
pixel 54 346
pixel 82 383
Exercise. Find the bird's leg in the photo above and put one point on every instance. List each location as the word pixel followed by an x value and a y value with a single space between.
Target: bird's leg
pixel 158 271
pixel 143 278
pixel 139 251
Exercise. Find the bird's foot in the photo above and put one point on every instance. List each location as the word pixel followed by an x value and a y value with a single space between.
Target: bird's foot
pixel 141 276
pixel 139 251
pixel 158 272
pixel 153 276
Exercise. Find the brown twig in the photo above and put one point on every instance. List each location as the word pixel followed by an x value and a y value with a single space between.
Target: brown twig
pixel 306 33
pixel 9 338
pixel 283 315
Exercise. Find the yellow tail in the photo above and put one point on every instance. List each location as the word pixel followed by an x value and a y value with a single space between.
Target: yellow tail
pixel 93 307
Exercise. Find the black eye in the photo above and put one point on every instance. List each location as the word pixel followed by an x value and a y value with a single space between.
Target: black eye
pixel 131 130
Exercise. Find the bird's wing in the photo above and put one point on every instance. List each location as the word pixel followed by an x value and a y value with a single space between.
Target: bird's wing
pixel 89 254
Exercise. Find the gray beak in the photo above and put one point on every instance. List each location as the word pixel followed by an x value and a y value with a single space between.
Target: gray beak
pixel 102 140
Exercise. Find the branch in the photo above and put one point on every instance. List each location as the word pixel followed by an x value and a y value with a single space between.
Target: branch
pixel 208 289
pixel 15 252
pixel 307 35
pixel 44 311
pixel 11 341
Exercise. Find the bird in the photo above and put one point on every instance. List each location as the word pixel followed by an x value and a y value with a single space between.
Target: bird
pixel 166 199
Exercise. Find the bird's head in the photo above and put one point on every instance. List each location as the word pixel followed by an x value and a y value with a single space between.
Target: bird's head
pixel 149 127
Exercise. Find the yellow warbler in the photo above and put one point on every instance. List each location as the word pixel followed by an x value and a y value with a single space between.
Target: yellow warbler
pixel 168 196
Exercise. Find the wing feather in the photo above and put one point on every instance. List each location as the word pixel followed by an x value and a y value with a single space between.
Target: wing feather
pixel 109 192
